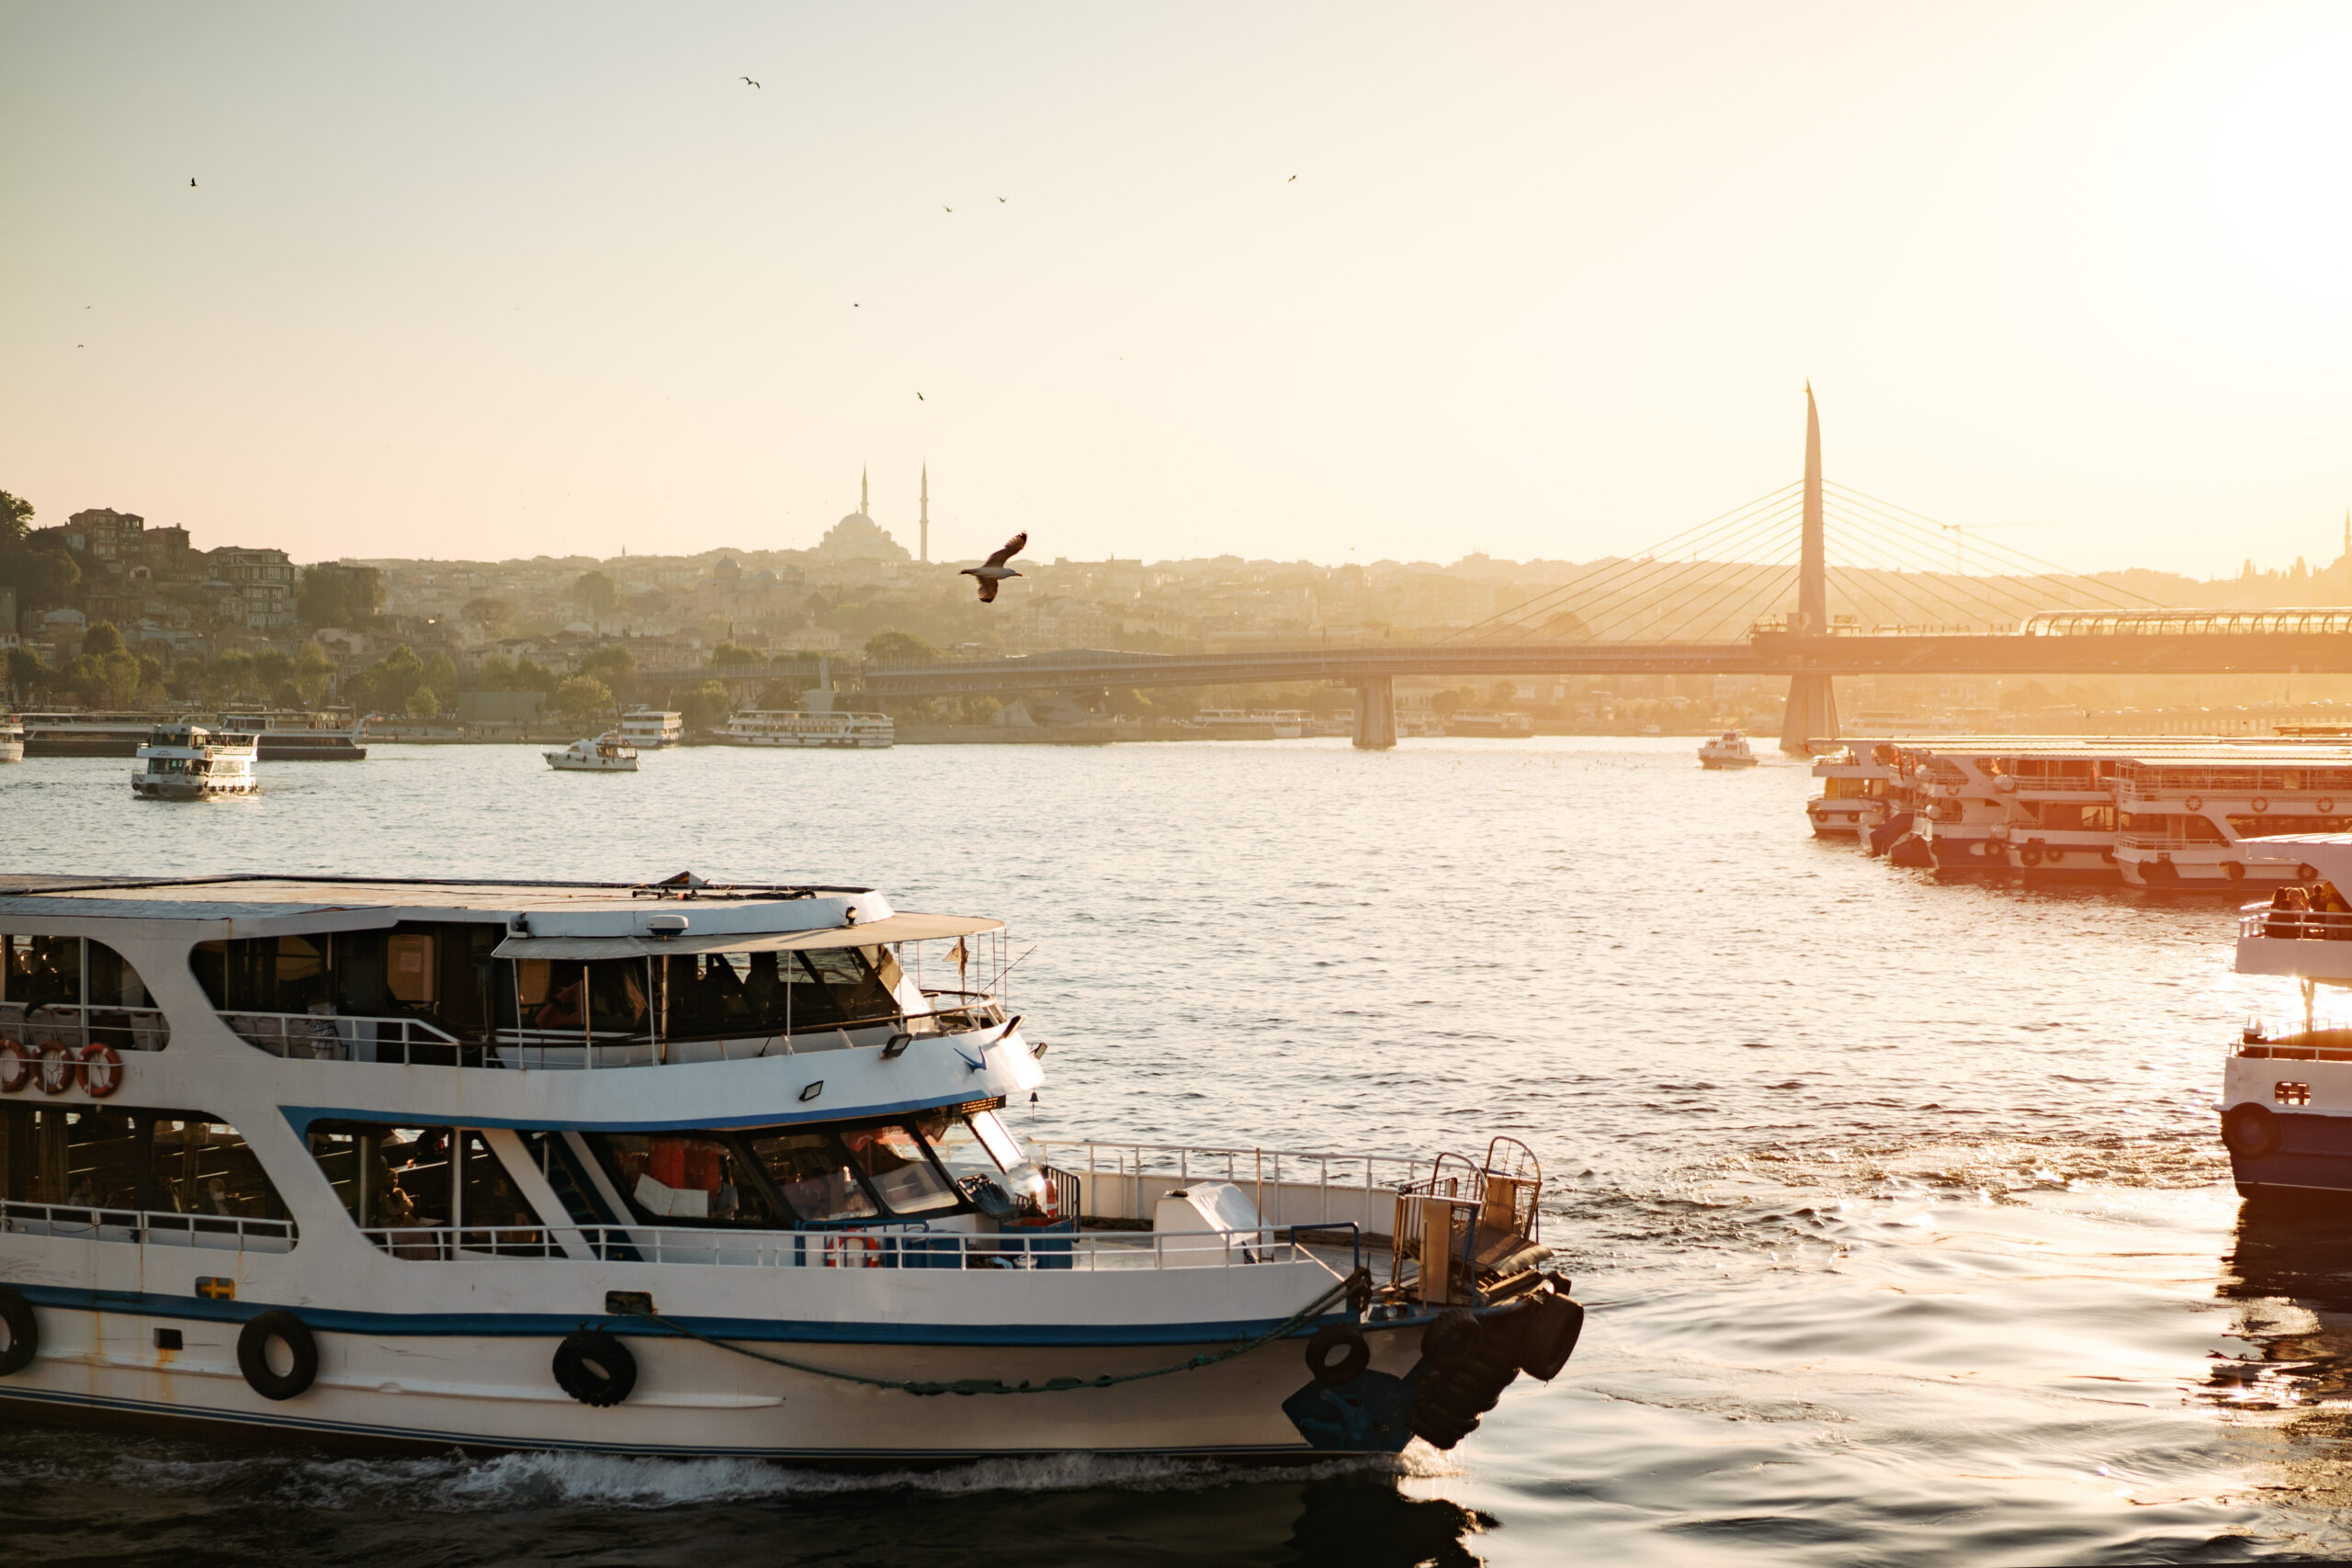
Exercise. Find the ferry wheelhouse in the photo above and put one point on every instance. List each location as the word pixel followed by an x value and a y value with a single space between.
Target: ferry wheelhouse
pixel 796 727
pixel 675 1169
pixel 187 762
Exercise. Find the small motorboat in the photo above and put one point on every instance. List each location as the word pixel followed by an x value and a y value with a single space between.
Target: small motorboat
pixel 1729 750
pixel 606 754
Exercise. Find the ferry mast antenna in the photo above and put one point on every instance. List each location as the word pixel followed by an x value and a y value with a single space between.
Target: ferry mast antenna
pixel 1813 701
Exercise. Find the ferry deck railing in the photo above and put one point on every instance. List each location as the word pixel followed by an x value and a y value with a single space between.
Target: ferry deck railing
pixel 75 1024
pixel 908 1248
pixel 352 1037
pixel 1125 1181
pixel 84 1221
pixel 2292 925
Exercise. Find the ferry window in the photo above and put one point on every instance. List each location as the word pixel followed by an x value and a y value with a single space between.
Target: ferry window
pixel 408 967
pixel 77 992
pixel 489 1198
pixel 855 989
pixel 395 1177
pixel 812 1173
pixel 681 1177
pixel 960 1148
pixel 902 1173
pixel 204 1167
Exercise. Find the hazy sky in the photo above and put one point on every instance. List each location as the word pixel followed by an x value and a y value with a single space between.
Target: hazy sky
pixel 508 279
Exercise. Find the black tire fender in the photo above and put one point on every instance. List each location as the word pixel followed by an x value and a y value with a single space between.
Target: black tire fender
pixel 595 1367
pixel 252 1355
pixel 1548 1336
pixel 1355 1355
pixel 24 1332
pixel 1452 1340
pixel 2250 1130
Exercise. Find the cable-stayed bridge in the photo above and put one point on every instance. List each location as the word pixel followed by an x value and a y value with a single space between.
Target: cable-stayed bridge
pixel 1756 590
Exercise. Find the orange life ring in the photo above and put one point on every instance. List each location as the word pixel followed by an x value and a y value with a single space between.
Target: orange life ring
pixel 15 1066
pixel 2261 804
pixel 2326 805
pixel 852 1250
pixel 53 1068
pixel 100 1070
pixel 1951 789
pixel 2194 803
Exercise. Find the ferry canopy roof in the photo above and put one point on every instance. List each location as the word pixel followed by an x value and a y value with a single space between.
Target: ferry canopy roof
pixel 867 934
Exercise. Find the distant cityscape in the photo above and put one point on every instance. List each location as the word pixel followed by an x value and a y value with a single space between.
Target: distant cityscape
pixel 106 610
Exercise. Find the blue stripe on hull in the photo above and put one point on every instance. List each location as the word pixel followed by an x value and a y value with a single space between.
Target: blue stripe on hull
pixel 33 1404
pixel 542 1324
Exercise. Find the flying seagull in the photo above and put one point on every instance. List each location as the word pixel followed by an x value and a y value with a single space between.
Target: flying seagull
pixel 191 184
pixel 748 79
pixel 993 570
pixel 944 208
pixel 920 398
pixel 1292 177
pixel 1000 198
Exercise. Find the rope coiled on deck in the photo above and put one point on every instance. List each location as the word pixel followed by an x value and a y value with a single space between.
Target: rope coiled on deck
pixel 1360 1279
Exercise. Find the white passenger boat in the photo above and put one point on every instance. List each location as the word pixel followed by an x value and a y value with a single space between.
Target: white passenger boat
pixel 1493 725
pixel 605 753
pixel 1850 778
pixel 187 762
pixel 2287 1091
pixel 1240 724
pixel 2183 815
pixel 12 739
pixel 674 1169
pixel 650 730
pixel 1729 750
pixel 795 727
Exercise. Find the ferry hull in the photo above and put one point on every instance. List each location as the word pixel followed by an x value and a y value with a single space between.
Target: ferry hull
pixel 2314 1155
pixel 492 1392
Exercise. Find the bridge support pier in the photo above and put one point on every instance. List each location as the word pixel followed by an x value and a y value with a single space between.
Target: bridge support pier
pixel 1375 713
pixel 1811 713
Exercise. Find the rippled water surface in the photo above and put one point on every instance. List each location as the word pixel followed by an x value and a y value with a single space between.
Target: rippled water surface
pixel 1898 1205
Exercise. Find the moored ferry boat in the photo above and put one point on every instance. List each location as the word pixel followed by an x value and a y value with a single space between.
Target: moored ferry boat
pixel 283 735
pixel 675 1169
pixel 650 730
pixel 12 739
pixel 1851 779
pixel 187 762
pixel 1493 725
pixel 796 726
pixel 1240 724
pixel 2184 817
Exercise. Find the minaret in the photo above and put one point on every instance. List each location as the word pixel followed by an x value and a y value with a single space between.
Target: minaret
pixel 926 520
pixel 861 494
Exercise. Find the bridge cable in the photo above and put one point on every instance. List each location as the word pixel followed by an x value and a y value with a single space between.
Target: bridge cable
pixel 1663 586
pixel 2048 570
pixel 1629 593
pixel 1955 589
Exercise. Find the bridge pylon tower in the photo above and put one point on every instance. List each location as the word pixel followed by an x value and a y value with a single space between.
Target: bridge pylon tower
pixel 1812 700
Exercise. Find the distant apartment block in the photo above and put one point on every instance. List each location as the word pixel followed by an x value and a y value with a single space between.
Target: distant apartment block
pixel 252 588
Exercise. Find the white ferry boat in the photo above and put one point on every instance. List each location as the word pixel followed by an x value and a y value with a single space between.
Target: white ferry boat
pixel 2183 815
pixel 1240 724
pixel 674 1169
pixel 1850 780
pixel 796 726
pixel 605 753
pixel 1729 750
pixel 12 739
pixel 2287 1091
pixel 187 762
pixel 284 735
pixel 1492 725
pixel 650 730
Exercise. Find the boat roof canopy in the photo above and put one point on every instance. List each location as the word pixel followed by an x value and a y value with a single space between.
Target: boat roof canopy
pixel 867 934
pixel 2330 854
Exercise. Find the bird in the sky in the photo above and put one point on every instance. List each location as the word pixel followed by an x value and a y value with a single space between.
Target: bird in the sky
pixel 1000 198
pixel 1292 177
pixel 947 208
pixel 191 184
pixel 993 570
pixel 748 79
pixel 920 398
